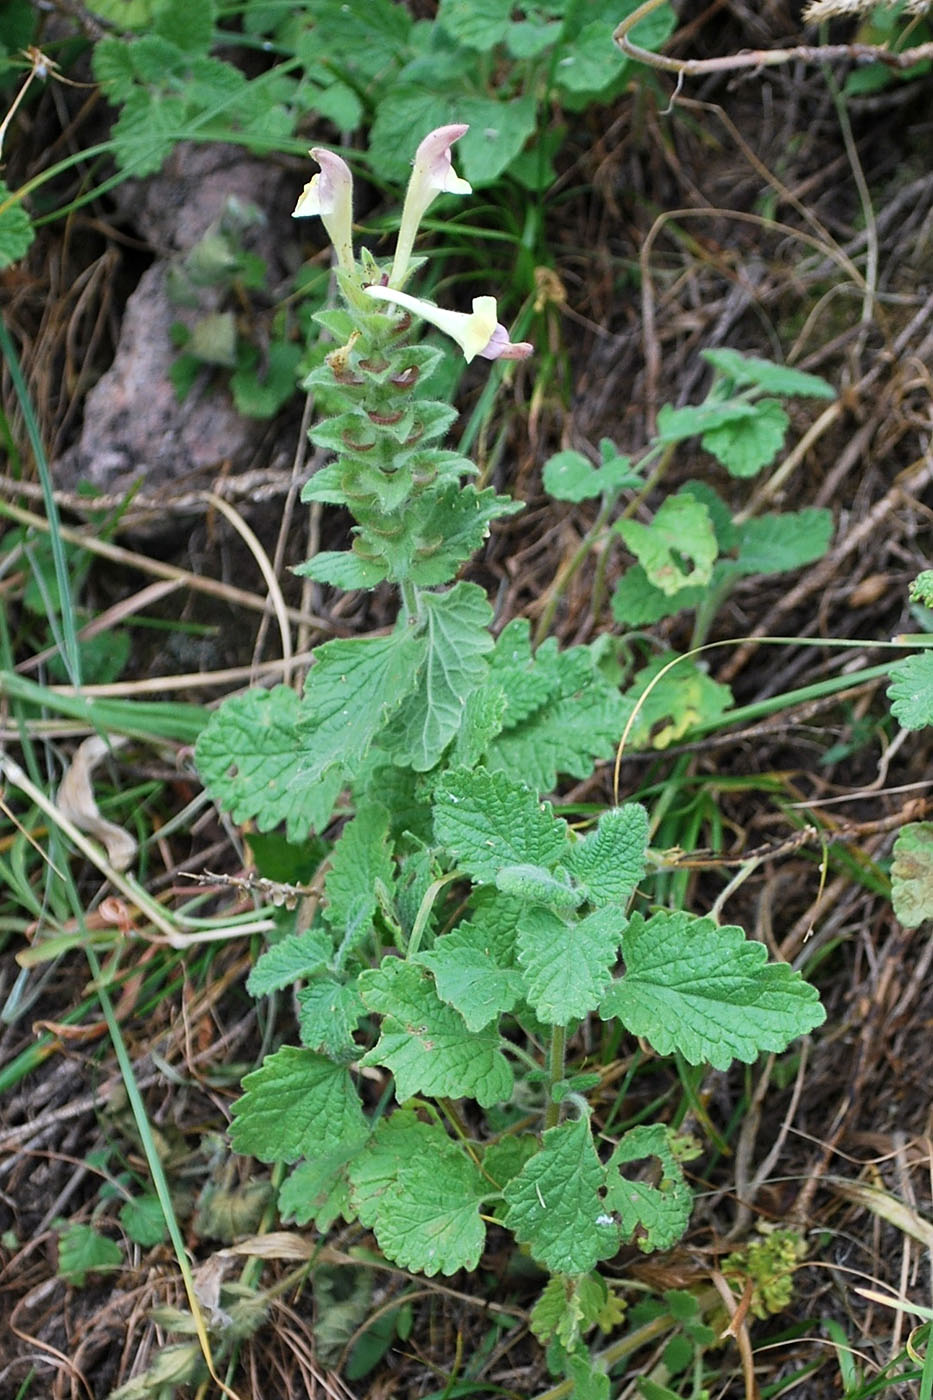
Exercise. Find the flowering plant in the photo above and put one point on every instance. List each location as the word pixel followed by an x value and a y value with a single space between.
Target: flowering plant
pixel 463 930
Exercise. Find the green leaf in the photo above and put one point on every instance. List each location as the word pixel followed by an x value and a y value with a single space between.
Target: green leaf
pixel 354 688
pixel 773 379
pixel 532 884
pixel 749 444
pixel 921 590
pixel 580 719
pixel 486 821
pixel 294 958
pixel 498 132
pixel 429 1218
pixel 568 1307
pixel 318 1190
pixel 398 1139
pixel 113 68
pixel 455 625
pixel 677 424
pixel 568 476
pixel 82 1251
pixel 591 61
pixel 610 861
pixel 662 1212
pixel 911 690
pixel 529 38
pixel 681 531
pixel 555 1203
pixel 477 24
pixel 670 706
pixel 426 1044
pixel 528 680
pixel 187 23
pixel 143 1221
pixel 772 544
pixel 912 874
pixel 474 964
pixel 16 230
pixel 567 967
pixel 360 863
pixel 637 603
pixel 296 1104
pixel 260 391
pixel 343 569
pixel 707 992
pixel 328 1014
pixel 147 131
pixel 247 759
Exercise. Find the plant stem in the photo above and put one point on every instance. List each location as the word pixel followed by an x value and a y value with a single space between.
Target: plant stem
pixel 557 1060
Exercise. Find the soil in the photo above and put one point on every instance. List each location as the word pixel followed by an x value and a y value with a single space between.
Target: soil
pixel 729 214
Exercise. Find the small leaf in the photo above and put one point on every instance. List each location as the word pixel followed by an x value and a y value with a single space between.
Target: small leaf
pixel 921 590
pixel 293 958
pixel 16 230
pixel 749 444
pixel 772 544
pixel 328 1015
pixel 677 424
pixel 295 1105
pixel 477 24
pixel 473 964
pixel 569 476
pixel 426 1044
pixel 487 822
pixel 361 861
pixel 773 379
pixel 610 861
pixel 532 884
pixel 555 1203
pixel 669 706
pixel 318 1190
pixel 82 1251
pixel 911 690
pixel 567 966
pixel 707 992
pixel 143 1221
pixel 912 874
pixel 662 1212
pixel 681 531
pixel 429 1218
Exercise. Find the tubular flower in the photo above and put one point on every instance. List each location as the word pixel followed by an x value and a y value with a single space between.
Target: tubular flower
pixel 329 194
pixel 476 332
pixel 432 174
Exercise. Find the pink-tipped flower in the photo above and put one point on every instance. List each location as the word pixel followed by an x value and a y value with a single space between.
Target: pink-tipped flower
pixel 477 332
pixel 432 174
pixel 329 194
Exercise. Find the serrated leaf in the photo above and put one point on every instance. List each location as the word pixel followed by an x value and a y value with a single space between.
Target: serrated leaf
pixel 637 603
pixel 342 569
pixel 921 590
pixel 295 1105
pixel 911 690
pixel 113 68
pixel 580 721
pixel 361 861
pixel 567 1307
pixel 328 1014
pixel 569 476
pixel 482 720
pixel 681 531
pixel 397 1140
pixel 247 759
pixel 774 379
pixel 505 1158
pixel 912 874
pixel 589 1382
pixel 16 230
pixel 353 689
pixel 555 1203
pixel 474 964
pixel 146 132
pixel 669 706
pixel 429 1217
pixel 662 1211
pixel 426 1044
pixel 82 1251
pixel 293 958
pixel 707 992
pixel 749 444
pixel 772 544
pixel 592 61
pixel 567 966
pixel 455 626
pixel 528 681
pixel 143 1220
pixel 318 1190
pixel 486 822
pixel 610 861
pixel 498 132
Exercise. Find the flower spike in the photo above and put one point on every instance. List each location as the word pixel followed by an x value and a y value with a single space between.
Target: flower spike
pixel 477 332
pixel 329 194
pixel 432 174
